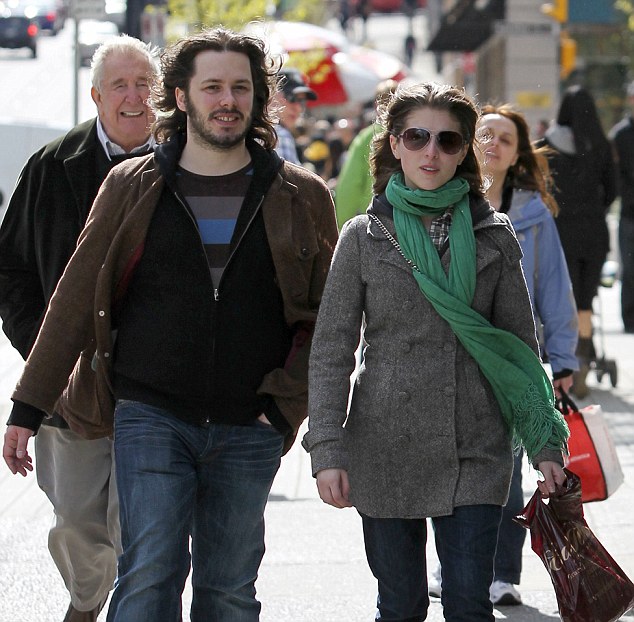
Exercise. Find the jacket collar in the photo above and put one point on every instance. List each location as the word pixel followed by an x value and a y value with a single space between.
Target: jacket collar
pixel 78 140
pixel 482 214
pixel 481 210
pixel 266 163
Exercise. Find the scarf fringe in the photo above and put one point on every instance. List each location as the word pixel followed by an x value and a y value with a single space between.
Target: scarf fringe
pixel 538 425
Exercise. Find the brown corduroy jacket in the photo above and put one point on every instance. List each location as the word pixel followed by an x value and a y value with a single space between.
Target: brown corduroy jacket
pixel 70 365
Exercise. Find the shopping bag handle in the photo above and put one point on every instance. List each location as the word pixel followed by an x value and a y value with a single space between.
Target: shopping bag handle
pixel 565 404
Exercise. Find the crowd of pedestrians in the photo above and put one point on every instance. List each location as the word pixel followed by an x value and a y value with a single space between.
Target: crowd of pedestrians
pixel 190 274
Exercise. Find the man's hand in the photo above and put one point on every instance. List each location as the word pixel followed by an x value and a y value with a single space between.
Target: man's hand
pixel 14 450
pixel 553 474
pixel 334 488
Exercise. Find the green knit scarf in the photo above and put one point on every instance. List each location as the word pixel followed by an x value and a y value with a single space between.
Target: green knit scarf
pixel 519 382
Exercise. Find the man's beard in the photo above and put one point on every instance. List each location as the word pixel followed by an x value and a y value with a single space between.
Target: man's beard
pixel 207 138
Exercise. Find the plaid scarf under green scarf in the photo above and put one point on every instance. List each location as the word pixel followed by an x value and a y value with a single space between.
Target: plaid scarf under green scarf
pixel 519 382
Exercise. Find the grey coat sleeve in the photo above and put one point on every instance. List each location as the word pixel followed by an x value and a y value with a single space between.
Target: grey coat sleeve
pixel 332 358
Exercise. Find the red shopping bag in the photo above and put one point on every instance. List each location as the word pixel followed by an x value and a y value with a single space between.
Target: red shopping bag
pixel 589 585
pixel 592 455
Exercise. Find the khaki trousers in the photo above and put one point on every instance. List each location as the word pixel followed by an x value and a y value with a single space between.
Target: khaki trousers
pixel 77 476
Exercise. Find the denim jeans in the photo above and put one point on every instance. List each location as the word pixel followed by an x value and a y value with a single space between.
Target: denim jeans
pixel 511 536
pixel 465 542
pixel 177 481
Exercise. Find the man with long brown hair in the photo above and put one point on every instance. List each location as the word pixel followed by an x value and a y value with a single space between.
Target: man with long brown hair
pixel 44 218
pixel 208 258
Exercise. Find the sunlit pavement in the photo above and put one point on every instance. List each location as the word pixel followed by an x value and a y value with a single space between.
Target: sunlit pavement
pixel 314 569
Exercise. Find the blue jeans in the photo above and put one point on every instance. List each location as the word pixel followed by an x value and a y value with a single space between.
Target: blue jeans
pixel 511 536
pixel 465 542
pixel 178 480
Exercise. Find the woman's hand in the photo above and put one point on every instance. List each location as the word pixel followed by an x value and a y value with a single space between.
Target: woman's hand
pixel 562 383
pixel 553 474
pixel 334 488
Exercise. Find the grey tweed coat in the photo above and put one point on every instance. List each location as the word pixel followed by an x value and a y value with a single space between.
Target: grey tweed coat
pixel 424 432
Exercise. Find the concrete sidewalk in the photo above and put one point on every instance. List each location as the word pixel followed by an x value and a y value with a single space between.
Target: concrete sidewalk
pixel 315 569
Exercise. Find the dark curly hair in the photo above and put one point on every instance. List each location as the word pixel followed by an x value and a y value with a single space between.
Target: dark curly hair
pixel 177 64
pixel 392 114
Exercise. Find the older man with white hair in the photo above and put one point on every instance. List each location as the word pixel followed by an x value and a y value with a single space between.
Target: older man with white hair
pixel 44 218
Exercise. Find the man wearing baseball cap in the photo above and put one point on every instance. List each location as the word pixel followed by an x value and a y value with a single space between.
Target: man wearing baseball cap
pixel 292 98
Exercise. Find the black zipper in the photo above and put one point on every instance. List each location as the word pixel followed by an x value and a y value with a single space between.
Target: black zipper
pixel 235 248
pixel 216 290
pixel 210 369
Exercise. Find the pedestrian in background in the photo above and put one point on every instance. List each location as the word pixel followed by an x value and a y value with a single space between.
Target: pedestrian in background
pixel 435 274
pixel 519 181
pixel 363 11
pixel 584 179
pixel 409 47
pixel 291 100
pixel 44 218
pixel 540 129
pixel 208 258
pixel 353 191
pixel 343 132
pixel 622 136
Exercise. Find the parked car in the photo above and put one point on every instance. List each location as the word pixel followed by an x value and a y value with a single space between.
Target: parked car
pixel 18 31
pixel 92 33
pixel 49 15
pixel 387 6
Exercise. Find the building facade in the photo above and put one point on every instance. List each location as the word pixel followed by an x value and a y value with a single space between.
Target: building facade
pixel 511 51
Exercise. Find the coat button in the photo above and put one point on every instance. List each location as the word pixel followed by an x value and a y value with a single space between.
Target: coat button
pixel 305 252
pixel 448 347
pixel 407 346
pixel 106 355
pixel 102 313
pixel 403 396
pixel 448 390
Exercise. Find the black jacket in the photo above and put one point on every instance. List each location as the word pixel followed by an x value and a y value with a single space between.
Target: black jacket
pixel 39 232
pixel 584 186
pixel 182 345
pixel 178 344
pixel 622 135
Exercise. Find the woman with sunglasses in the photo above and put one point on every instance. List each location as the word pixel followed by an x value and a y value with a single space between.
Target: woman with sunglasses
pixel 450 376
pixel 519 179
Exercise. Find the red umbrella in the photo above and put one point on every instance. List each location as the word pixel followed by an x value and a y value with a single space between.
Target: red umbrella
pixel 339 71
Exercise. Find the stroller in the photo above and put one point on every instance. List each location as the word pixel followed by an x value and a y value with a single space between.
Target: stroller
pixel 599 364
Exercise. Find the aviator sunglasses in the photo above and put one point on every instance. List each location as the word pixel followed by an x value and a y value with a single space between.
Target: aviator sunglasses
pixel 417 138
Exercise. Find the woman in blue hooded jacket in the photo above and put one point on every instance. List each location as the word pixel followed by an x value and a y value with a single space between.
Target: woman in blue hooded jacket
pixel 518 176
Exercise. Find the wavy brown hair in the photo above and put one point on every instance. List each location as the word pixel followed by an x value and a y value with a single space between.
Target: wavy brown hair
pixel 531 170
pixel 392 115
pixel 178 66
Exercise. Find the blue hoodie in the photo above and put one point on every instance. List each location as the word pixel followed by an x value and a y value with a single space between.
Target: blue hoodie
pixel 547 278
